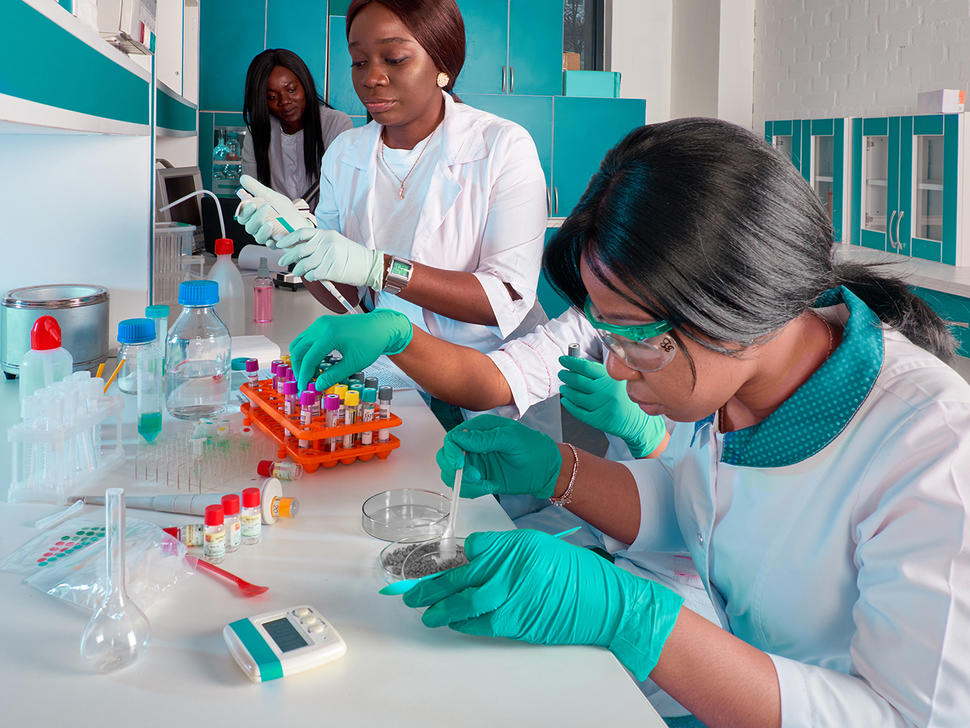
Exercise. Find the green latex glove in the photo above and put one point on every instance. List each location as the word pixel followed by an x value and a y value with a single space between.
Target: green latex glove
pixel 502 456
pixel 326 255
pixel 360 338
pixel 260 215
pixel 591 395
pixel 530 586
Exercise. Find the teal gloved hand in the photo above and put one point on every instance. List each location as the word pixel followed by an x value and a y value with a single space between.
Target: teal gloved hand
pixel 261 214
pixel 501 456
pixel 591 395
pixel 326 255
pixel 360 339
pixel 530 586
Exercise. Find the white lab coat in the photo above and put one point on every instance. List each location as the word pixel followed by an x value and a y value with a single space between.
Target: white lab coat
pixel 836 537
pixel 484 213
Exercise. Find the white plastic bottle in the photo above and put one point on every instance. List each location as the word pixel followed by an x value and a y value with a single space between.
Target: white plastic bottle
pixel 231 293
pixel 47 361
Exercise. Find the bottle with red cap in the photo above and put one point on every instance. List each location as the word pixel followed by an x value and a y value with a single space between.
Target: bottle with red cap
pixel 281 470
pixel 251 518
pixel 230 505
pixel 47 361
pixel 231 293
pixel 214 539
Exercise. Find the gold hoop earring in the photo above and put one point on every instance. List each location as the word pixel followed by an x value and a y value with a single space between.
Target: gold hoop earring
pixel 443 79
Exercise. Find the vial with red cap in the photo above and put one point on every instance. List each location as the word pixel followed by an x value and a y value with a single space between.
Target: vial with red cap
pixel 214 538
pixel 230 307
pixel 230 505
pixel 251 517
pixel 282 470
pixel 47 361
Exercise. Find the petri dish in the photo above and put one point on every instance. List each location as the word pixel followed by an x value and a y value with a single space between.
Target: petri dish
pixel 406 513
pixel 425 558
pixel 392 557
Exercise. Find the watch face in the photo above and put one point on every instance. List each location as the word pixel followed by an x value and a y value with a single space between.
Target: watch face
pixel 399 268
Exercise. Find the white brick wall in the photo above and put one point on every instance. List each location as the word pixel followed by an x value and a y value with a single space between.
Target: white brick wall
pixel 825 58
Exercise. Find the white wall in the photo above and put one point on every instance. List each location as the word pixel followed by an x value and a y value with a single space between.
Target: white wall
pixel 735 62
pixel 638 45
pixel 82 203
pixel 693 85
pixel 825 58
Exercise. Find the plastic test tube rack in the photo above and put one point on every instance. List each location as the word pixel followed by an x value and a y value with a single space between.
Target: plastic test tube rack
pixel 263 410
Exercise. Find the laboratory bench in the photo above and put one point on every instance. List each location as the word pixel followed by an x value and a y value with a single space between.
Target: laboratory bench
pixel 396 672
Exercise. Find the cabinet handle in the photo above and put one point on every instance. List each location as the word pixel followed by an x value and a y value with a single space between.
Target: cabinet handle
pixel 899 243
pixel 889 229
pixel 511 79
pixel 503 79
pixel 555 192
pixel 548 202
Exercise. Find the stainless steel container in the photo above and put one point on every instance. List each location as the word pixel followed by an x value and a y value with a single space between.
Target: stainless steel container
pixel 80 310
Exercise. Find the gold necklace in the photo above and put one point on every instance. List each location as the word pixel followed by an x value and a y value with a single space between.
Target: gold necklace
pixel 393 174
pixel 722 424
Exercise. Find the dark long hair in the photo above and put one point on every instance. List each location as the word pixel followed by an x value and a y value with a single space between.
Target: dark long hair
pixel 712 230
pixel 256 112
pixel 436 25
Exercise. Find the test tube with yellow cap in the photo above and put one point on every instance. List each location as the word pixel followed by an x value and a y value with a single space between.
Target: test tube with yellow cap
pixel 351 400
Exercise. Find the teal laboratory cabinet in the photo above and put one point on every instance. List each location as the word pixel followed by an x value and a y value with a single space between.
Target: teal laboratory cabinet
pixel 910 179
pixel 512 47
pixel 819 149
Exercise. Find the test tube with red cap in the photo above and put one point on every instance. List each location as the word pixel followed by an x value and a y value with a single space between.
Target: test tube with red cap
pixel 281 470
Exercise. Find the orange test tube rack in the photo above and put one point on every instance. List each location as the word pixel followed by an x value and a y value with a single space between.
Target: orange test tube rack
pixel 263 411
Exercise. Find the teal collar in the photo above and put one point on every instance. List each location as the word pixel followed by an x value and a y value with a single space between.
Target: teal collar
pixel 821 408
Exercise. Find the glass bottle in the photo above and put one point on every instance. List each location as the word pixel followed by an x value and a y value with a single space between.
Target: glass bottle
pixel 230 505
pixel 251 517
pixel 197 355
pixel 214 544
pixel 118 631
pixel 137 339
pixel 282 470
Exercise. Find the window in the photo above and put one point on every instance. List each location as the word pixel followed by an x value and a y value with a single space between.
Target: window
pixel 583 32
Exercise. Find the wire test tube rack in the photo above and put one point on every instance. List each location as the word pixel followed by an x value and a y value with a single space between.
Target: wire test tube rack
pixel 263 410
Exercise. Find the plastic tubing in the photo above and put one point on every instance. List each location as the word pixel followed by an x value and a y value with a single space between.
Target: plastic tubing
pixel 222 224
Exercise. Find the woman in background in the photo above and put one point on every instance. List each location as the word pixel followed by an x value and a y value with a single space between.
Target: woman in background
pixel 287 136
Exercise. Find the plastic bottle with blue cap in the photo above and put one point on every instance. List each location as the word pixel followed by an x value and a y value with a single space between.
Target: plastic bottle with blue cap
pixel 197 355
pixel 137 339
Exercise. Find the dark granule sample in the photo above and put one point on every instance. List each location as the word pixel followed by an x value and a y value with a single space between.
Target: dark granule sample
pixel 393 559
pixel 426 561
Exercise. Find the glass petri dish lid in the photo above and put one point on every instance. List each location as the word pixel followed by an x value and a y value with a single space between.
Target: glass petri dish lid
pixel 407 513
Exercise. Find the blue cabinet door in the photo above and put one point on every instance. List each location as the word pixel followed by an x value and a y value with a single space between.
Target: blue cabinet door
pixel 929 201
pixel 577 153
pixel 875 189
pixel 340 87
pixel 549 298
pixel 300 26
pixel 486 47
pixel 534 113
pixel 535 47
pixel 230 34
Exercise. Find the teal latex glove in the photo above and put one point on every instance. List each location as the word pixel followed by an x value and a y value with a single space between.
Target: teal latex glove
pixel 326 255
pixel 591 395
pixel 260 215
pixel 501 456
pixel 360 338
pixel 530 586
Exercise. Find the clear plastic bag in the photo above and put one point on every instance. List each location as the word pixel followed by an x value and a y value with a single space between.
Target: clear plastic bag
pixel 68 562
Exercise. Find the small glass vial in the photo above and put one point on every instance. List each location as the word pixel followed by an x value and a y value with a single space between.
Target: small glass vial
pixel 281 470
pixel 384 396
pixel 252 371
pixel 214 548
pixel 251 518
pixel 230 504
pixel 137 339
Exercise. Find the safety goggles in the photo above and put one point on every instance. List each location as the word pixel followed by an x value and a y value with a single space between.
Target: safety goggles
pixel 645 348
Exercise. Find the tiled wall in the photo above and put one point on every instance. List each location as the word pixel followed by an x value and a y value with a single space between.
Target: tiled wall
pixel 824 58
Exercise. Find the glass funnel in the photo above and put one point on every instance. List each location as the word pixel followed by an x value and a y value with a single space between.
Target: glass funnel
pixel 118 631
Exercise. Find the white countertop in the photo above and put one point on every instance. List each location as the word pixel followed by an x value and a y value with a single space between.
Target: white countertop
pixel 396 671
pixel 916 271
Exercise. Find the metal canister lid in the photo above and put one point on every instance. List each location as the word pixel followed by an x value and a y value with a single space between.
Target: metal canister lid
pixel 55 296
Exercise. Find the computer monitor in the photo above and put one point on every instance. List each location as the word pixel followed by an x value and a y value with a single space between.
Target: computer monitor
pixel 171 183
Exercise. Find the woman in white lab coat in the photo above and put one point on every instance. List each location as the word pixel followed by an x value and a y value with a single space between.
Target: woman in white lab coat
pixel 434 209
pixel 818 469
pixel 290 127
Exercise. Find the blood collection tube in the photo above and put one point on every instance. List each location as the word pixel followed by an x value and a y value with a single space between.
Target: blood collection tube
pixel 307 398
pixel 331 406
pixel 356 377
pixel 574 350
pixel 366 414
pixel 251 517
pixel 214 548
pixel 315 404
pixel 350 414
pixel 282 375
pixel 230 505
pixel 384 411
pixel 371 382
pixel 281 470
pixel 289 403
pixel 252 371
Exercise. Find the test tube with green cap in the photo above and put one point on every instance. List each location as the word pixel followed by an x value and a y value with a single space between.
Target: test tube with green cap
pixel 366 413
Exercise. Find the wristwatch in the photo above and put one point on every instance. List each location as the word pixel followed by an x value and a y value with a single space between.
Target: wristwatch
pixel 398 275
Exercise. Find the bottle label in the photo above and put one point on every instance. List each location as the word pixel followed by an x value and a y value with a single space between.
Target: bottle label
pixel 251 524
pixel 215 543
pixel 234 534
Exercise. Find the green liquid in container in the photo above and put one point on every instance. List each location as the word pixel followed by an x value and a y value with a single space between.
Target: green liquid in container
pixel 149 425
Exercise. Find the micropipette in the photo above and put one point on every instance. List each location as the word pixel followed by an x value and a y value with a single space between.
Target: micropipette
pixel 282 228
